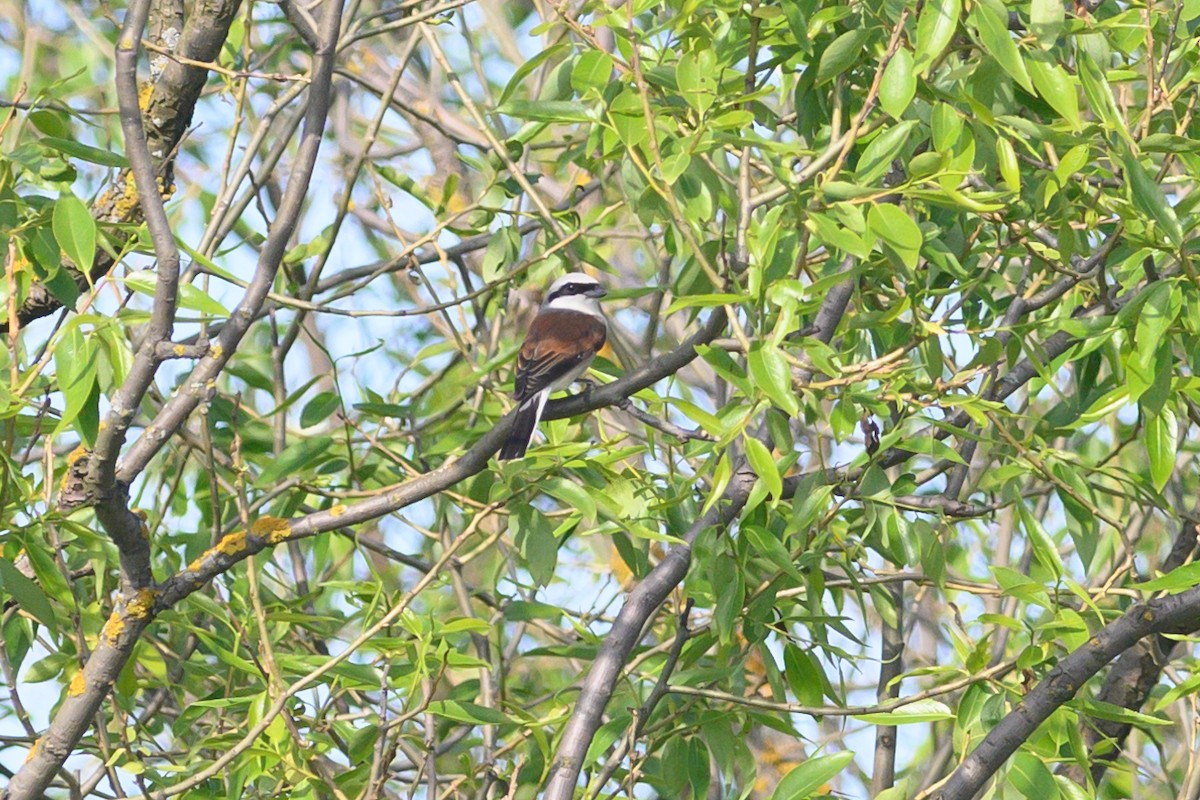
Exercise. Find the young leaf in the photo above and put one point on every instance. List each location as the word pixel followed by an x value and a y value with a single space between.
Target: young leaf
pixel 810 776
pixel 935 28
pixel 1162 436
pixel 992 26
pixel 29 595
pixel 899 83
pixel 1149 199
pixel 764 466
pixel 770 372
pixel 75 231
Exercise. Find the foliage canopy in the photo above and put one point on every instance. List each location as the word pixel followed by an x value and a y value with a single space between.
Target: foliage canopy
pixel 888 487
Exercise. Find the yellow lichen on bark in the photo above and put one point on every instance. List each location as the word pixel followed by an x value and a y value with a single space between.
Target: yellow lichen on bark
pixel 142 603
pixel 231 544
pixel 337 510
pixel 113 628
pixel 78 684
pixel 273 530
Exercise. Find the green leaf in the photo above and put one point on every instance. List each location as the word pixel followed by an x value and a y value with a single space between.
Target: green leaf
pixel 593 70
pixel 764 465
pixel 547 110
pixel 1056 88
pixel 696 74
pixel 1099 95
pixel 1176 580
pixel 770 372
pixel 535 539
pixel 1010 170
pixel 29 595
pixel 319 409
pixel 910 713
pixel 75 370
pixel 841 54
pixel 897 229
pixel 145 282
pixel 301 454
pixel 767 545
pixel 1148 198
pixel 570 494
pixel 1115 713
pixel 935 28
pixel 462 711
pixel 1155 316
pixel 877 157
pixel 1162 436
pixel 75 231
pixel 899 83
pixel 1043 546
pixel 526 68
pixel 1046 21
pixel 992 26
pixel 1030 776
pixel 95 155
pixel 808 778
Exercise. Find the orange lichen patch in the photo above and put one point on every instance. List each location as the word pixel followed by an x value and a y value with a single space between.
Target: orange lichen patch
pixel 272 530
pixel 113 628
pixel 78 684
pixel 231 544
pixel 337 510
pixel 142 603
pixel 144 95
pixel 128 201
pixel 33 751
pixel 179 350
pixel 216 351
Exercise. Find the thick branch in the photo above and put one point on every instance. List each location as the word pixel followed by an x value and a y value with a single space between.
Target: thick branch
pixel 165 119
pixel 112 507
pixel 136 608
pixel 891 667
pixel 199 384
pixel 1132 677
pixel 1178 613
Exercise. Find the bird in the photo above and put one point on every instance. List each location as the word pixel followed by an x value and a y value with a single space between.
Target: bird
pixel 563 338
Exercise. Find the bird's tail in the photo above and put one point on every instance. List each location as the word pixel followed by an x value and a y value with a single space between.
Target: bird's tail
pixel 528 414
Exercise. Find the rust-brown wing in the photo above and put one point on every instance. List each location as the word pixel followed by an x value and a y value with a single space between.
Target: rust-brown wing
pixel 559 341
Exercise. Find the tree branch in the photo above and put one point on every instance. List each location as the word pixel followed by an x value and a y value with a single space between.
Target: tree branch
pixel 891 667
pixel 112 502
pixel 137 607
pixel 1132 677
pixel 646 597
pixel 164 119
pixel 1178 614
pixel 199 383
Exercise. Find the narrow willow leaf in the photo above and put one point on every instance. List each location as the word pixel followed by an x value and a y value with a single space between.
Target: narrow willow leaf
pixel 992 26
pixel 1046 21
pixel 1010 170
pixel 899 83
pixel 842 53
pixel 910 713
pixel 811 775
pixel 1056 88
pixel 1162 436
pixel 75 231
pixel 764 465
pixel 1149 199
pixel 935 28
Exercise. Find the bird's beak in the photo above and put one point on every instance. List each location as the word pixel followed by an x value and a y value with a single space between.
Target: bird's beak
pixel 596 292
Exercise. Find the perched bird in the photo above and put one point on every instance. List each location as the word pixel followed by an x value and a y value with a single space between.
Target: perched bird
pixel 562 340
